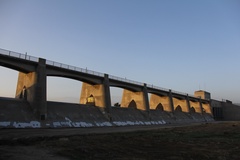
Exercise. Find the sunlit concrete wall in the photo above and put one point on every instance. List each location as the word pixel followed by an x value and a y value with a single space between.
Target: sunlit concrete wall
pixel 181 102
pixel 196 106
pixel 155 100
pixel 202 94
pixel 25 81
pixel 138 97
pixel 207 108
pixel 97 91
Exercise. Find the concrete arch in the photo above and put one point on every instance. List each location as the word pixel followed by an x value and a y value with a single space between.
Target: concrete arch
pixel 182 103
pixel 192 110
pixel 160 107
pixel 17 64
pixel 116 96
pixel 91 100
pixel 178 108
pixel 97 91
pixel 132 104
pixel 8 82
pixel 196 106
pixel 63 89
pixel 155 100
pixel 138 98
pixel 126 86
pixel 74 75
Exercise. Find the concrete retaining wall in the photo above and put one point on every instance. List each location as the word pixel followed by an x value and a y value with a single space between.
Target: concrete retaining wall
pixel 15 113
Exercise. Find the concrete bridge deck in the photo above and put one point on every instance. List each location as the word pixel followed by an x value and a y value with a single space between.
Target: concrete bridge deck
pixel 31 108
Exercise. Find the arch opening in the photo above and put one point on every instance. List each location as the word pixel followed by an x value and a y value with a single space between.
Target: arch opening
pixel 116 96
pixel 8 82
pixel 178 108
pixel 192 110
pixel 132 104
pixel 90 100
pixel 160 107
pixel 63 89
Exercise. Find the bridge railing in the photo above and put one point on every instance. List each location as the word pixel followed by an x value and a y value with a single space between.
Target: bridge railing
pixel 69 67
pixel 177 92
pixel 125 80
pixel 18 55
pixel 156 87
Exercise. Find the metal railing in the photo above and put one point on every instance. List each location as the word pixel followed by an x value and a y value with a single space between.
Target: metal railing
pixel 69 67
pixel 156 87
pixel 18 55
pixel 82 70
pixel 177 92
pixel 125 80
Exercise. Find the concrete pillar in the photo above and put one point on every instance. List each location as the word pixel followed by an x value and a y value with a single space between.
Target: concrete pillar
pixel 98 92
pixel 32 87
pixel 171 100
pixel 145 97
pixel 188 103
pixel 200 104
pixel 140 98
pixel 155 100
pixel 181 102
pixel 107 97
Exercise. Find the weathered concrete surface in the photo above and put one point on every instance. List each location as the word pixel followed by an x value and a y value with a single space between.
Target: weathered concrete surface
pixel 159 115
pixel 181 102
pixel 155 100
pixel 138 97
pixel 183 117
pixel 207 108
pixel 132 116
pixel 96 91
pixel 15 109
pixel 32 87
pixel 75 115
pixel 208 117
pixel 196 106
pixel 17 113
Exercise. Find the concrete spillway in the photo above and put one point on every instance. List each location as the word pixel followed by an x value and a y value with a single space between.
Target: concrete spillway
pixel 17 113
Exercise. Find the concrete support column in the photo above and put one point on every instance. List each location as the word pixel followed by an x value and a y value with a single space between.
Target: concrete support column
pixel 32 87
pixel 200 104
pixel 145 97
pixel 188 103
pixel 171 100
pixel 140 98
pixel 107 97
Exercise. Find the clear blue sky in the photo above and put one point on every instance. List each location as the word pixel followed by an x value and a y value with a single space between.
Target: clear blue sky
pixel 184 45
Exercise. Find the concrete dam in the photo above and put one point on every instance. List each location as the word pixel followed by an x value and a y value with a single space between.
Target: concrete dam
pixel 30 108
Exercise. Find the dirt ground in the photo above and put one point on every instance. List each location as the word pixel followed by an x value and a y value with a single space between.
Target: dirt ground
pixel 218 141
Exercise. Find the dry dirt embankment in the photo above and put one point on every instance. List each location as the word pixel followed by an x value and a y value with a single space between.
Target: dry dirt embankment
pixel 205 141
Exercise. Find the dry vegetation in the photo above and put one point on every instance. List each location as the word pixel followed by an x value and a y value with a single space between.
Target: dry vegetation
pixel 207 141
